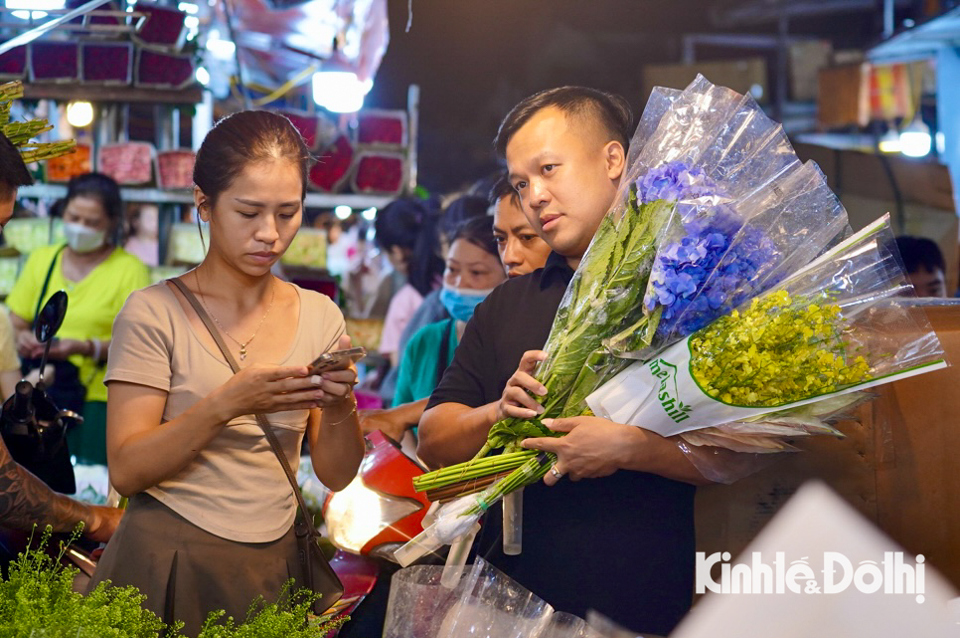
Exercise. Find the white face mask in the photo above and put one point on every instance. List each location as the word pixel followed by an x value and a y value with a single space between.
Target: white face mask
pixel 83 239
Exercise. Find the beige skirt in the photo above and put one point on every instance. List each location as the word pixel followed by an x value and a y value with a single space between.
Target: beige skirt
pixel 186 572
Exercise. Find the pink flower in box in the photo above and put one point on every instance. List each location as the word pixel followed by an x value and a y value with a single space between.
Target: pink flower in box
pixel 175 168
pixel 13 63
pixel 130 163
pixel 164 27
pixel 107 63
pixel 54 61
pixel 379 173
pixel 159 70
pixel 333 167
pixel 382 127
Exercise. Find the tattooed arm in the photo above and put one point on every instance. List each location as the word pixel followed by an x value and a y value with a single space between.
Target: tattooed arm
pixel 25 500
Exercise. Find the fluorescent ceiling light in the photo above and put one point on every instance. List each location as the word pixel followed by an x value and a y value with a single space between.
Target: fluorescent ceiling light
pixel 37 5
pixel 25 15
pixel 339 91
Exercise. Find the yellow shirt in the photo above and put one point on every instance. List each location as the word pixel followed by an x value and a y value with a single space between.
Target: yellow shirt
pixel 93 302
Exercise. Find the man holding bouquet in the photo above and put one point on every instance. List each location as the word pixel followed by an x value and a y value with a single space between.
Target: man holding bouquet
pixel 622 543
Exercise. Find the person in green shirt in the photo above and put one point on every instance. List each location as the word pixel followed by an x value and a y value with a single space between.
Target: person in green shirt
pixel 97 276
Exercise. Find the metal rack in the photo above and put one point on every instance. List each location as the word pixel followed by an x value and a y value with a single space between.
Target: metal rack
pixel 162 196
pixel 751 14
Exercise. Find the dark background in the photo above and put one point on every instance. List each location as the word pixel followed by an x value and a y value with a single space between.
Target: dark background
pixel 474 60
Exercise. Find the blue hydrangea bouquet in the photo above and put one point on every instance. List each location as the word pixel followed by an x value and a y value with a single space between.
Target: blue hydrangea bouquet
pixel 724 249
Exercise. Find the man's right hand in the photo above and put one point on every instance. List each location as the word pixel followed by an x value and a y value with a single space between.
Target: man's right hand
pixel 516 401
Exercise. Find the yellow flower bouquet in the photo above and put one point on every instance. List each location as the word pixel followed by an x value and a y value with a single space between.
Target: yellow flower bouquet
pixel 807 347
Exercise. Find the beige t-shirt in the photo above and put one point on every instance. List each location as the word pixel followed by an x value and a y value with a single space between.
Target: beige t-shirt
pixel 235 487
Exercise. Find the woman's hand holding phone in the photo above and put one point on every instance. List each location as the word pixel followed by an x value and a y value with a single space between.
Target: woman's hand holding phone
pixel 265 389
pixel 336 375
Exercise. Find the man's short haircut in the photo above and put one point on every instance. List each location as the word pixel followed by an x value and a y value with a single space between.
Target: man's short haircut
pixel 610 111
pixel 13 172
pixel 503 188
pixel 918 252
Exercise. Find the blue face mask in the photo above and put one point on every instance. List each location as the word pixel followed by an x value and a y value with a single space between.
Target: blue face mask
pixel 461 302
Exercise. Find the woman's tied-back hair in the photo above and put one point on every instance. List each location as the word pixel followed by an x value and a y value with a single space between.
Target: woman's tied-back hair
pixel 611 112
pixel 245 138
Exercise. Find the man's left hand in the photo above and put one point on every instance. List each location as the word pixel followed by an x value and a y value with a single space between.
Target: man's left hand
pixel 592 448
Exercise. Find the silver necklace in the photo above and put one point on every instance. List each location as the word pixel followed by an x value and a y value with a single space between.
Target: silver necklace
pixel 243 346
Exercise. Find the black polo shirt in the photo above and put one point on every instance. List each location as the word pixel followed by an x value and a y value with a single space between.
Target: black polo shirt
pixel 622 545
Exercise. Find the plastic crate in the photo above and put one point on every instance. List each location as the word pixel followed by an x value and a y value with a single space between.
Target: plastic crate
pixel 379 173
pixel 13 64
pixel 332 169
pixel 54 62
pixel 106 63
pixel 163 71
pixel 129 163
pixel 62 169
pixel 164 28
pixel 379 127
pixel 94 19
pixel 175 168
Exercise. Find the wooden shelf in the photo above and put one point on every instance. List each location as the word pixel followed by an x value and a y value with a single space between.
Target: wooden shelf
pixel 94 93
pixel 161 196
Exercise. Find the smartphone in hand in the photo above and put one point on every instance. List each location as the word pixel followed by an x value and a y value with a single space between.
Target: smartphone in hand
pixel 337 359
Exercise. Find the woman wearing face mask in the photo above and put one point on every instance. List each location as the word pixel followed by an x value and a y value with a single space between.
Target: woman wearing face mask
pixel 473 270
pixel 98 276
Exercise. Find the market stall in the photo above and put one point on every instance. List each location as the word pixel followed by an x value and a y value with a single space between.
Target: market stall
pixel 740 306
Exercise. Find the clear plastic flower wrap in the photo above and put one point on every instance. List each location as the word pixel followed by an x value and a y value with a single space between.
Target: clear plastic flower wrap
pixel 483 602
pixel 714 210
pixel 747 211
pixel 835 327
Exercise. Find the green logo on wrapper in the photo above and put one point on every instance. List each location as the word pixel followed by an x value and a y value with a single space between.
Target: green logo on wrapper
pixel 667 393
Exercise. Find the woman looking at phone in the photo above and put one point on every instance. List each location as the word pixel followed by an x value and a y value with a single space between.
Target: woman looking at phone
pixel 210 520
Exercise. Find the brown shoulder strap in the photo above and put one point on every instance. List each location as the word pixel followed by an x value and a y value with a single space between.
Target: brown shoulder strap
pixel 261 419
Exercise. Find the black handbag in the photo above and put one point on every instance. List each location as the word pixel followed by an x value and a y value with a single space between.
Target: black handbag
pixel 36 438
pixel 318 576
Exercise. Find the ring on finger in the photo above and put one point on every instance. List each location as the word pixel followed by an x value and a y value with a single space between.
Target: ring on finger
pixel 556 473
